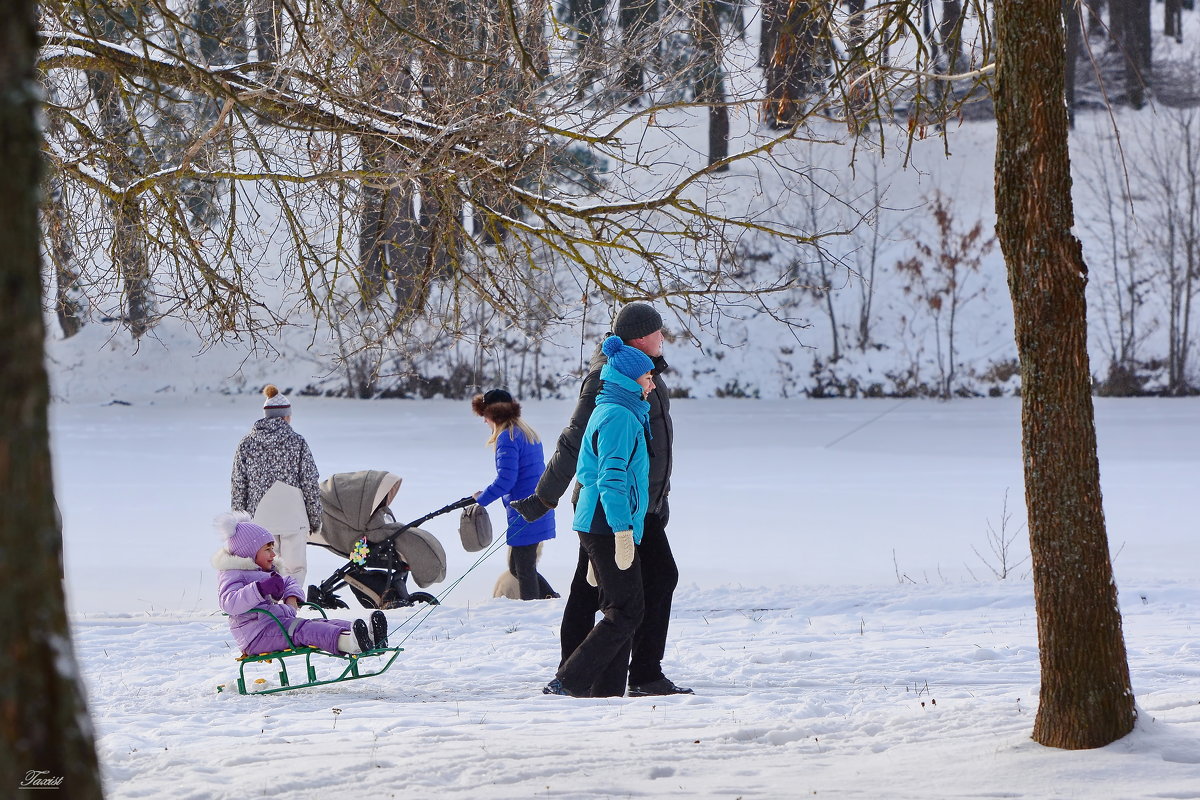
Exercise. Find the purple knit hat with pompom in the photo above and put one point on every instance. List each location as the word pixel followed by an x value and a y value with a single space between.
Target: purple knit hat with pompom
pixel 248 539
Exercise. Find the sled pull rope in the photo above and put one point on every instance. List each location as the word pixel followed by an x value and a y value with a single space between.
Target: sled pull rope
pixel 425 612
pixel 872 420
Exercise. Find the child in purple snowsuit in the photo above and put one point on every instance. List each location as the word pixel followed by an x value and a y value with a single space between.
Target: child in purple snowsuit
pixel 249 579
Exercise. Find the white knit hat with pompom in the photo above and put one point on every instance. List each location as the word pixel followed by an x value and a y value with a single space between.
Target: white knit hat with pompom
pixel 276 404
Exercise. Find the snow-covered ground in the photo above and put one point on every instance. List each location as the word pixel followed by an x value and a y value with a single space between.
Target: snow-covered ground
pixel 844 637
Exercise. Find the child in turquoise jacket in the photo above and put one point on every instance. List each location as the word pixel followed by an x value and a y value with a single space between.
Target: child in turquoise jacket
pixel 613 471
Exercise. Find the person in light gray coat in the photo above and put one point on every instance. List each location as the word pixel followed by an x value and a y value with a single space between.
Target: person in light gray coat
pixel 275 479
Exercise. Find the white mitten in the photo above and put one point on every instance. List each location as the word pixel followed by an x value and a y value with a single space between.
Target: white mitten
pixel 591 575
pixel 624 554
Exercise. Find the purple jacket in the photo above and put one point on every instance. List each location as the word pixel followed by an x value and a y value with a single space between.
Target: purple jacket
pixel 238 592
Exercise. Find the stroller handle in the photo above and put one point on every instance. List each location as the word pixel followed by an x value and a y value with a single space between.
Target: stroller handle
pixel 457 504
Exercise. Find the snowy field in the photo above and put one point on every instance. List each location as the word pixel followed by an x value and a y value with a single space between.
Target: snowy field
pixel 844 637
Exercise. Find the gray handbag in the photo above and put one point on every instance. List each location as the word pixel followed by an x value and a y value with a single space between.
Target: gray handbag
pixel 475 528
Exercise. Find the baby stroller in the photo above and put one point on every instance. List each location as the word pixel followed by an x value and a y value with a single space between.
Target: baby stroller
pixel 357 505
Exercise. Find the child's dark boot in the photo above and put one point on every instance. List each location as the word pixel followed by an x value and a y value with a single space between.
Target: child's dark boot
pixel 379 629
pixel 362 635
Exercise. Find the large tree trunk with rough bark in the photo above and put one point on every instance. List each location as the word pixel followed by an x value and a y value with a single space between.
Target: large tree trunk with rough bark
pixel 1085 699
pixel 45 738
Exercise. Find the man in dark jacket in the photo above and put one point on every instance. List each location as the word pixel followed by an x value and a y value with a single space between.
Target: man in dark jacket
pixel 640 326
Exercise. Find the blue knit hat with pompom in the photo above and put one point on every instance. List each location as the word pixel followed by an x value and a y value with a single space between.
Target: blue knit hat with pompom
pixel 629 361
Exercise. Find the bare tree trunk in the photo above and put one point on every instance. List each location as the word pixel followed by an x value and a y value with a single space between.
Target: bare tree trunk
pixel 950 33
pixel 794 57
pixel 1116 19
pixel 778 108
pixel 127 250
pixel 636 18
pixel 1086 700
pixel 69 304
pixel 1191 267
pixel 221 25
pixel 388 232
pixel 1139 44
pixel 586 20
pixel 395 242
pixel 1129 24
pixel 387 228
pixel 789 38
pixel 439 222
pixel 268 29
pixel 439 226
pixel 533 38
pixel 1173 19
pixel 710 88
pixel 1075 32
pixel 868 263
pixel 45 734
pixel 858 90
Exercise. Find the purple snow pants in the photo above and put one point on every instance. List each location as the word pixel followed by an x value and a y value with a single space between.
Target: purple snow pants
pixel 322 633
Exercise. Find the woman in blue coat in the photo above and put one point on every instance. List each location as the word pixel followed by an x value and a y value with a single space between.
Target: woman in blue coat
pixel 519 465
pixel 613 471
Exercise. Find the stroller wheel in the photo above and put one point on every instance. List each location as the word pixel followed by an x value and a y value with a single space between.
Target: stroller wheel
pixel 409 600
pixel 324 599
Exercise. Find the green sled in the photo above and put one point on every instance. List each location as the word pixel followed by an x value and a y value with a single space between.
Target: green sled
pixel 291 659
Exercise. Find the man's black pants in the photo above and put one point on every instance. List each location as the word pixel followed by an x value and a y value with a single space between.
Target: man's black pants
pixel 660 576
pixel 601 658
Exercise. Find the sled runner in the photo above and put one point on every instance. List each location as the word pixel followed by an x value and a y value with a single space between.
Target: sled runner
pixel 298 665
pixel 358 524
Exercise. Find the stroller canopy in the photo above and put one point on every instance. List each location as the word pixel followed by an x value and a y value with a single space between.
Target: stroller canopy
pixel 356 505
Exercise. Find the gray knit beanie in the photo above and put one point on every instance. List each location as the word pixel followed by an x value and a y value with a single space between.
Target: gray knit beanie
pixel 637 320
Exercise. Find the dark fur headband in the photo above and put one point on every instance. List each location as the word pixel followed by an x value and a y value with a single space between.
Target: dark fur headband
pixel 499 412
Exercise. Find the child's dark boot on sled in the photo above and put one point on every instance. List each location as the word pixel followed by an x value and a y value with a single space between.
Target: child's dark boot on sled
pixel 379 629
pixel 362 635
